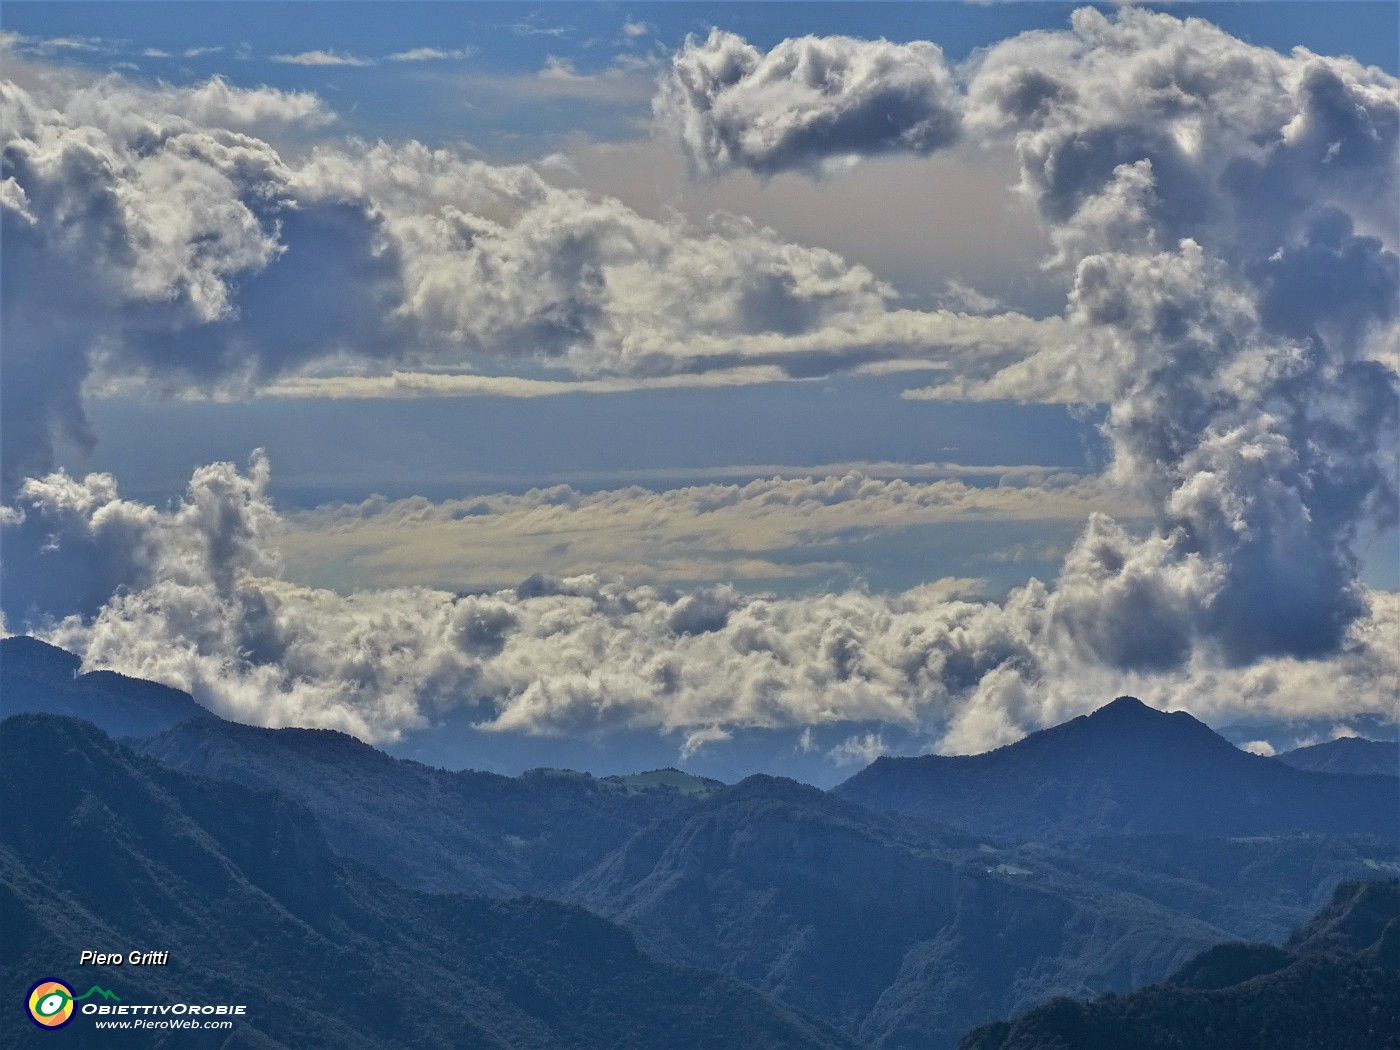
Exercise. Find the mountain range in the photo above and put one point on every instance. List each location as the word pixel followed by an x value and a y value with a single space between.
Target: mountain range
pixel 1125 768
pixel 911 904
pixel 1335 983
pixel 102 847
pixel 39 678
pixel 1348 754
pixel 742 878
pixel 429 828
pixel 903 938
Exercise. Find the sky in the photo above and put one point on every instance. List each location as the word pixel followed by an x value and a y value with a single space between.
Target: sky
pixel 744 387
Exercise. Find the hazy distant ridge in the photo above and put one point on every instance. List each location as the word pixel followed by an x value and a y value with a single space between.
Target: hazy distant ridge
pixel 1126 768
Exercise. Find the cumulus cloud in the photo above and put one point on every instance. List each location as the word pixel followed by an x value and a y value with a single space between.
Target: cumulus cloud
pixel 591 285
pixel 217 103
pixel 159 237
pixel 808 103
pixel 698 738
pixel 137 223
pixel 79 542
pixel 1197 187
pixel 1226 218
pixel 196 599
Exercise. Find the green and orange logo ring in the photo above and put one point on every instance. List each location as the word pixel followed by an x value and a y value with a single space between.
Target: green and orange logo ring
pixel 50 1003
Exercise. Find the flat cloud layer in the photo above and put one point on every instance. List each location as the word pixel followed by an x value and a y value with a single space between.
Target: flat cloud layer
pixel 707 533
pixel 1224 217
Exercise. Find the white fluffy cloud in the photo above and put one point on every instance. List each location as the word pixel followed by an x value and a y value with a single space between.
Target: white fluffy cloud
pixel 195 600
pixel 809 103
pixel 135 224
pixel 498 261
pixel 1208 196
pixel 432 54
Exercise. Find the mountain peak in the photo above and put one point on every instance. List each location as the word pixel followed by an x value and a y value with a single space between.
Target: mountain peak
pixel 1126 707
pixel 1126 767
pixel 1129 711
pixel 1130 721
pixel 765 787
pixel 1126 722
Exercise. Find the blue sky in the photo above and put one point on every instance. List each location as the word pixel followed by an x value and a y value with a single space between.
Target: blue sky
pixel 512 293
pixel 449 99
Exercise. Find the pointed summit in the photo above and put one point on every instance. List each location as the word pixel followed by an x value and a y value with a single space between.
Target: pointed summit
pixel 1126 719
pixel 1125 730
pixel 1125 707
pixel 1129 714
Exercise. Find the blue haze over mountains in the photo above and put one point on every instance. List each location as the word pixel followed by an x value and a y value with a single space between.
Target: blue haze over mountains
pixel 255 908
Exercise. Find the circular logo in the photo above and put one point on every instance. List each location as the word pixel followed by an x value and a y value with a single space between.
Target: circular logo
pixel 50 1003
